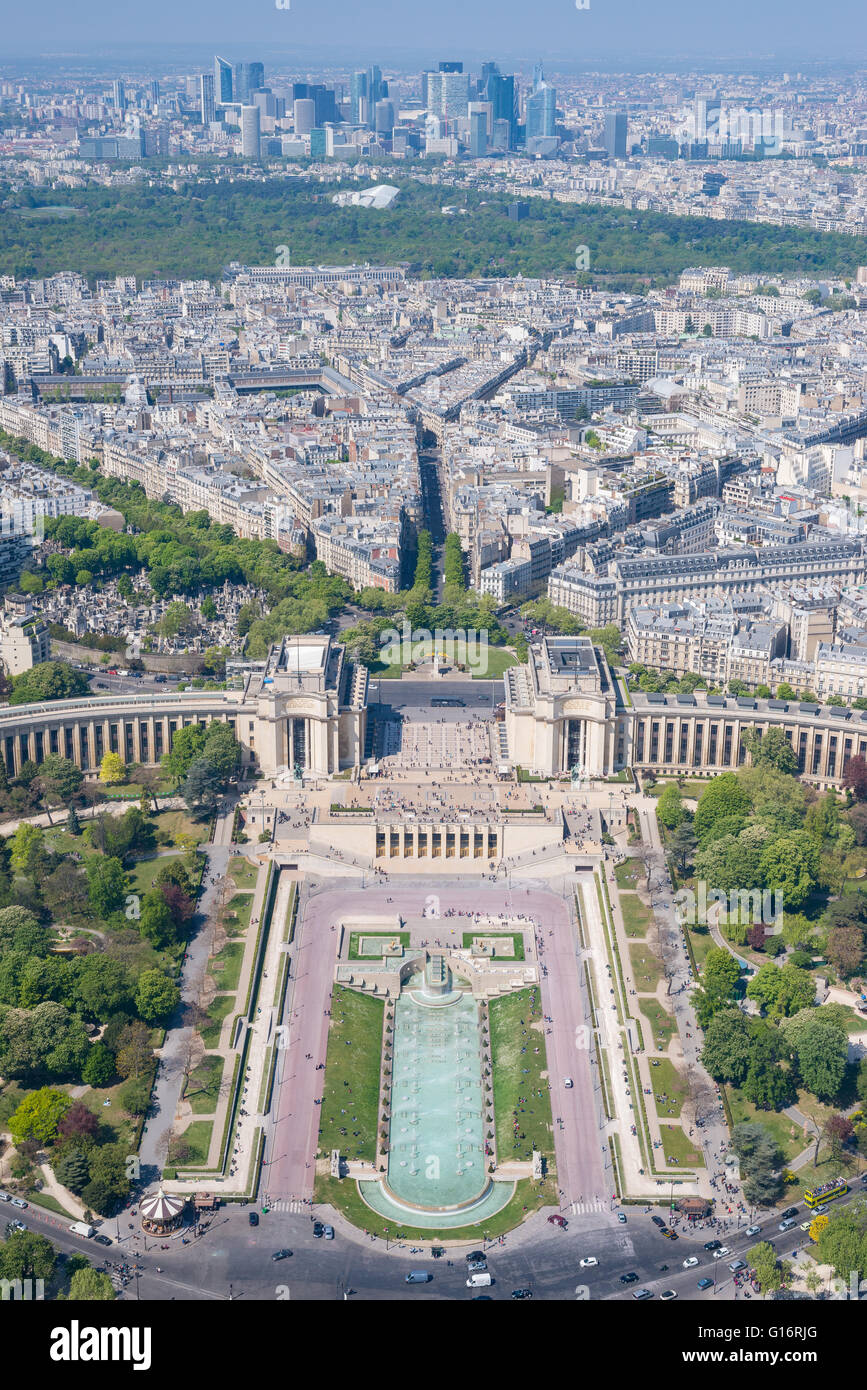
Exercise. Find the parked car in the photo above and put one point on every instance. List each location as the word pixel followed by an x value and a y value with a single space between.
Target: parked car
pixel 642 1293
pixel 589 1262
pixel 281 1254
pixel 19 1202
pixel 477 1265
pixel 522 1293
pixel 560 1221
pixel 475 1255
pixel 328 1233
pixel 629 1278
pixel 318 1230
pixel 102 1240
pixel 705 1283
pixel 667 1294
pixel 418 1276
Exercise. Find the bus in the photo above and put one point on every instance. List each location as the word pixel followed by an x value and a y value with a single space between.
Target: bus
pixel 818 1196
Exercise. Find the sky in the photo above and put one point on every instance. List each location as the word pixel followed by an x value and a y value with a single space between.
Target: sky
pixel 673 30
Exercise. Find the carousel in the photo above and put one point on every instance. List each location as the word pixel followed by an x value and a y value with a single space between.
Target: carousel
pixel 161 1213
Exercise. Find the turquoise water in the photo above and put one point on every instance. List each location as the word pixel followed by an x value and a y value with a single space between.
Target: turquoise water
pixel 498 1194
pixel 437 1134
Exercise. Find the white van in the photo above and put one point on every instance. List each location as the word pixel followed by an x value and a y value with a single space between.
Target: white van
pixel 81 1228
pixel 478 1281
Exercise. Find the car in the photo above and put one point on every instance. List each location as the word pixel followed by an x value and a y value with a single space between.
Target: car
pixel 705 1284
pixel 788 1224
pixel 589 1262
pixel 629 1278
pixel 318 1230
pixel 621 1217
pixel 568 1082
pixel 475 1255
pixel 642 1293
pixel 102 1240
pixel 805 1225
pixel 5 1197
pixel 477 1266
pixel 790 1211
pixel 721 1253
pixel 753 1230
pixel 819 1211
pixel 253 1218
pixel 658 1221
pixel 328 1233
pixel 19 1202
pixel 864 1179
pixel 522 1293
pixel 669 1234
pixel 737 1265
pixel 667 1294
pixel 418 1276
pixel 560 1221
pixel 712 1244
pixel 160 680
pixel 690 1262
pixel 281 1254
pixel 19 1226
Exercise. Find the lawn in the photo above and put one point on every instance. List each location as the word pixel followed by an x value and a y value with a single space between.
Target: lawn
pixel 690 791
pixel 628 873
pixel 113 1115
pixel 661 1021
pixel 788 1135
pixel 636 917
pixel 356 937
pixel 676 1144
pixel 144 871
pixel 702 943
pixel 236 914
pixel 174 823
pixel 516 937
pixel 226 967
pixel 646 969
pixel 203 1085
pixel 497 660
pixel 350 1103
pixel 345 1198
pixel 668 1082
pixel 522 1105
pixel 220 1006
pixel 193 1144
pixel 242 873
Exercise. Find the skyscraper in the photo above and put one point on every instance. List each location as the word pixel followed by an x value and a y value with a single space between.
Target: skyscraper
pixel 207 105
pixel 118 95
pixel 305 115
pixel 384 117
pixel 615 134
pixel 247 79
pixel 155 92
pixel 223 92
pixel 501 94
pixel 478 134
pixel 541 110
pixel 358 98
pixel 451 67
pixel 250 132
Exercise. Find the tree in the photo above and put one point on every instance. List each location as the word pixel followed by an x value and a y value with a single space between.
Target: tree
pixel 760 1161
pixel 99 1069
pixel 202 785
pixel 59 778
pixel 771 749
pixel 790 865
pixel 188 744
pixel 101 986
pixel 723 797
pixel 157 997
pixel 846 950
pixel 49 680
pixel 156 923
pixel 134 1054
pixel 727 1046
pixel 669 808
pixel 112 769
pixel 222 749
pixel 78 1122
pixel 822 1050
pixel 763 1258
pixel 73 824
pixel 107 885
pixel 855 776
pixel 135 1095
pixel 782 990
pixel 683 844
pixel 719 983
pixel 72 1169
pixel 38 1116
pixel 27 849
pixel 25 1255
pixel 91 1286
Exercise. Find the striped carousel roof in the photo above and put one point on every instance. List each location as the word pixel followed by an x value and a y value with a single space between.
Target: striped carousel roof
pixel 161 1207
